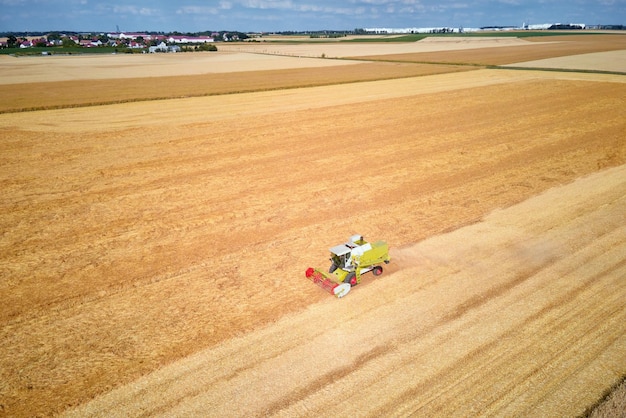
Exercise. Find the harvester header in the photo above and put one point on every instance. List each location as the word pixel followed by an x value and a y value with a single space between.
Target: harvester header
pixel 349 261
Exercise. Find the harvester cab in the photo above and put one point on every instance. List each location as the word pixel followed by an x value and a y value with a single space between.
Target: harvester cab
pixel 348 262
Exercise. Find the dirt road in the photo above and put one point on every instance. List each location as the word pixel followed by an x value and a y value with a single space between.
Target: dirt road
pixel 170 237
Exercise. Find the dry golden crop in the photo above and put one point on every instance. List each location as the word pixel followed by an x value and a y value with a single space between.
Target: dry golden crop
pixel 153 251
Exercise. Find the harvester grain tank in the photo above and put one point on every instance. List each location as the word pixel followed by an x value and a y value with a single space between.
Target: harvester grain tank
pixel 349 261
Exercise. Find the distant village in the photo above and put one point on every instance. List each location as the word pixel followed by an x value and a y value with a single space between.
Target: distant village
pixel 133 40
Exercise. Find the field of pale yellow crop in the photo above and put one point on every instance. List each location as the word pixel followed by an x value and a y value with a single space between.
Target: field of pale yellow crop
pixel 156 230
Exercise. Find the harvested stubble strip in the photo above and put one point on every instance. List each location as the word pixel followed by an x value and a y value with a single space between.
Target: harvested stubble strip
pixel 553 47
pixel 69 94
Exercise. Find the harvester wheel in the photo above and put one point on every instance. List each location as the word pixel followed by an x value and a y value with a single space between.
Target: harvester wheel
pixel 351 278
pixel 378 270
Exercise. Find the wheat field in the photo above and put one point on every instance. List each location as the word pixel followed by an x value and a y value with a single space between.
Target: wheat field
pixel 156 230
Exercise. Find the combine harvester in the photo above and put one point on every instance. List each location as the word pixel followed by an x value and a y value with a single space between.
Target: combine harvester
pixel 349 262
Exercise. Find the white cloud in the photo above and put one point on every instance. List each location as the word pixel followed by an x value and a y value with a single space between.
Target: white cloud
pixel 134 10
pixel 222 6
pixel 196 10
pixel 510 2
pixel 269 4
pixel 389 3
pixel 312 7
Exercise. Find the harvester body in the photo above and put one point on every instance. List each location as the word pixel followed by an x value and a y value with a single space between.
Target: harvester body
pixel 349 261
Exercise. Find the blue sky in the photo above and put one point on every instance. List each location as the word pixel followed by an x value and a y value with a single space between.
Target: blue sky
pixel 296 15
